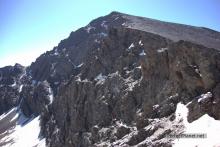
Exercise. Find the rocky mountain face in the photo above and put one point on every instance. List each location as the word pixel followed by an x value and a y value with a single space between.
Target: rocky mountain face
pixel 10 81
pixel 117 82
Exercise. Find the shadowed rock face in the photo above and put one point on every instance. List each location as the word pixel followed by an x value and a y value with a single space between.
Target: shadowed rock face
pixel 117 82
pixel 9 86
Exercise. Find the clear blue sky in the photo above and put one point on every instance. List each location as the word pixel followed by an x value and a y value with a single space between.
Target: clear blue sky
pixel 30 27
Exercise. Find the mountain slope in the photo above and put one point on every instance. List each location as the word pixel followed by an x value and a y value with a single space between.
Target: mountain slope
pixel 117 82
pixel 175 32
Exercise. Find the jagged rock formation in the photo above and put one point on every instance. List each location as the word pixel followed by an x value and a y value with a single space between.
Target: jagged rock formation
pixel 10 86
pixel 117 81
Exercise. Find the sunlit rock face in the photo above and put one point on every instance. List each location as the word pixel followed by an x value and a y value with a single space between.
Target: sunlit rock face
pixel 117 82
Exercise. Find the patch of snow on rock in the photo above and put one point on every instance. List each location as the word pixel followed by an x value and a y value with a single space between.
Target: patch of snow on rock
pixel 140 43
pixel 103 24
pixel 142 53
pixel 80 65
pixel 7 113
pixel 20 88
pixel 130 47
pixel 116 18
pixel 155 106
pixel 89 28
pixel 97 41
pixel 131 83
pixel 204 97
pixel 162 50
pixel 56 52
pixel 51 95
pixel 14 84
pixel 138 67
pixel 100 78
pixel 103 34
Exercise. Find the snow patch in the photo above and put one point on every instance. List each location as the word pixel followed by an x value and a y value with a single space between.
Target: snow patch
pixel 173 96
pixel 162 50
pixel 100 78
pixel 198 72
pixel 103 34
pixel 25 133
pixel 131 83
pixel 85 80
pixel 204 97
pixel 20 88
pixel 56 52
pixel 181 113
pixel 78 79
pixel 204 124
pixel 116 18
pixel 140 43
pixel 80 65
pixel 97 41
pixel 138 67
pixel 4 115
pixel 89 28
pixel 142 53
pixel 50 95
pixel 155 106
pixel 14 84
pixel 103 24
pixel 23 74
pixel 130 47
pixel 15 117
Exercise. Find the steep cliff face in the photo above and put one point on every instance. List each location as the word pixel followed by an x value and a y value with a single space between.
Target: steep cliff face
pixel 131 78
pixel 10 86
pixel 117 82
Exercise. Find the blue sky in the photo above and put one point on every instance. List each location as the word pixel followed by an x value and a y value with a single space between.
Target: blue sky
pixel 31 27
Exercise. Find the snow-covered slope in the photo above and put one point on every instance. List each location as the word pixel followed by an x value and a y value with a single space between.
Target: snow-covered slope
pixel 204 125
pixel 18 131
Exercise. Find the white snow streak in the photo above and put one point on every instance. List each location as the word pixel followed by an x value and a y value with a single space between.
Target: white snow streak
pixel 80 65
pixel 51 95
pixel 20 88
pixel 205 96
pixel 130 47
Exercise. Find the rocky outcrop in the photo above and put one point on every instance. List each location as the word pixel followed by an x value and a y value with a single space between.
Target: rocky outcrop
pixel 35 98
pixel 9 86
pixel 109 92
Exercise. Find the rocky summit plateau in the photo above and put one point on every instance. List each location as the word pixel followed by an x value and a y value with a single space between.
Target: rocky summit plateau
pixel 120 81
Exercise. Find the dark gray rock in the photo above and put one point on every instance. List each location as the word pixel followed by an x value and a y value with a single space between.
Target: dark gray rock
pixel 34 99
pixel 10 83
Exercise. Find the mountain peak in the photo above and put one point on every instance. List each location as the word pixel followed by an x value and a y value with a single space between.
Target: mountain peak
pixel 119 81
